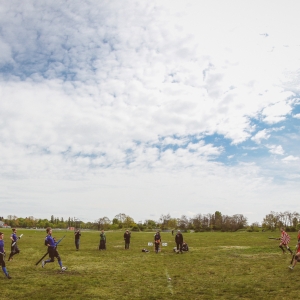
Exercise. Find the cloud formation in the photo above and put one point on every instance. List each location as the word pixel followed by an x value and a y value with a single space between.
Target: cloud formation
pixel 101 94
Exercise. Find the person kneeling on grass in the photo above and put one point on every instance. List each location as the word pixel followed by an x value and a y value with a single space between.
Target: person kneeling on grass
pixel 52 250
pixel 185 247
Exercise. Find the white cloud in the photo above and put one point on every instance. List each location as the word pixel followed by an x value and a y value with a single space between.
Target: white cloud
pixel 290 158
pixel 274 149
pixel 297 116
pixel 277 112
pixel 109 91
pixel 263 134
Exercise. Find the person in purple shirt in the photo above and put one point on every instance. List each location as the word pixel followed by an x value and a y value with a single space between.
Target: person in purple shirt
pixel 14 247
pixel 2 254
pixel 51 244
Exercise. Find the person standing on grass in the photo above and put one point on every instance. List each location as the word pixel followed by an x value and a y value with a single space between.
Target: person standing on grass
pixel 52 250
pixel 102 245
pixel 127 236
pixel 157 241
pixel 77 235
pixel 179 241
pixel 2 254
pixel 14 246
pixel 284 241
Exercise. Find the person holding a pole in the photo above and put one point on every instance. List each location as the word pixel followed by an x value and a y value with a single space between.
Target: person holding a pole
pixel 14 246
pixel 52 250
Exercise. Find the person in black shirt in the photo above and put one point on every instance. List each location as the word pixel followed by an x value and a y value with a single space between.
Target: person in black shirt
pixel 179 241
pixel 77 235
pixel 157 241
pixel 185 247
pixel 127 236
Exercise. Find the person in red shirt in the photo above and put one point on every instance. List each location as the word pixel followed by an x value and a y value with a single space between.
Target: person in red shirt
pixel 297 256
pixel 284 241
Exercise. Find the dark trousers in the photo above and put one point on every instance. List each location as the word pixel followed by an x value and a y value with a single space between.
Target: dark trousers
pixel 2 262
pixel 179 246
pixel 102 245
pixel 14 250
pixel 77 244
pixel 157 247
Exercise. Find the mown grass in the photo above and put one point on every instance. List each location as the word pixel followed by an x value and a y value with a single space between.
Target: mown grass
pixel 239 265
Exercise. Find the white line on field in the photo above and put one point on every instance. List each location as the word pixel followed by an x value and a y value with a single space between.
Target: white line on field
pixel 169 279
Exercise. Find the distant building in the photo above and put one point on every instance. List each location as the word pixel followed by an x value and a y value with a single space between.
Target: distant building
pixel 3 225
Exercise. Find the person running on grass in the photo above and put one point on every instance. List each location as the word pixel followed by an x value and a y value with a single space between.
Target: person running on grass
pixel 52 250
pixel 2 254
pixel 297 256
pixel 284 241
pixel 14 246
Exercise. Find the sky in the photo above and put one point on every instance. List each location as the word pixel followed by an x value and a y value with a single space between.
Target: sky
pixel 149 108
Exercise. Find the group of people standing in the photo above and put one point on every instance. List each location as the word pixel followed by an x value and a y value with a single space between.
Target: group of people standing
pixel 181 245
pixel 102 243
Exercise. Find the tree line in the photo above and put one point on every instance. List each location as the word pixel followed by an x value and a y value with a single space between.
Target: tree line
pixel 200 222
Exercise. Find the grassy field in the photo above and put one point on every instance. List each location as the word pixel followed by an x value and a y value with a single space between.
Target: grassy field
pixel 238 265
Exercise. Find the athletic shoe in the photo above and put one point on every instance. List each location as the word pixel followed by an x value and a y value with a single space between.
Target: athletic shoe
pixel 43 264
pixel 64 268
pixel 10 259
pixel 291 267
pixel 8 276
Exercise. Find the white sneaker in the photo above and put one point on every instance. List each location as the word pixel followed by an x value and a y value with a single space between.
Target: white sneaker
pixel 64 268
pixel 43 264
pixel 291 267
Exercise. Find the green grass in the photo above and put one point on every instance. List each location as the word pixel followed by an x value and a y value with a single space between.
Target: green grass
pixel 239 265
